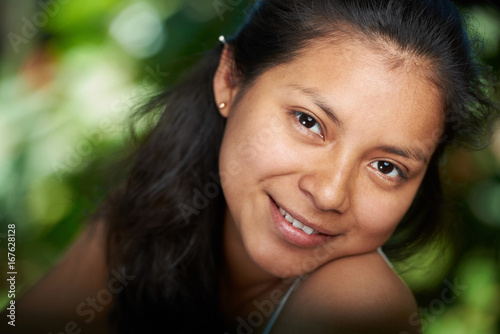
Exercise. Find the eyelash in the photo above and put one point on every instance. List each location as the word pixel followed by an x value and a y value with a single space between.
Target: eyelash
pixel 299 114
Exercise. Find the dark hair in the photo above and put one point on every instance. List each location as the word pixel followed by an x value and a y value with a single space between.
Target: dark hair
pixel 165 218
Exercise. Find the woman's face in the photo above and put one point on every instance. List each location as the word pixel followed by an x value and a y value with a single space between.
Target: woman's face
pixel 322 156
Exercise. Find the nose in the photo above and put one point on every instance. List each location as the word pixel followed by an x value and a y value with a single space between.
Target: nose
pixel 329 186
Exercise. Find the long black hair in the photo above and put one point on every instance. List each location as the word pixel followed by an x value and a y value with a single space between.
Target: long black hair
pixel 164 221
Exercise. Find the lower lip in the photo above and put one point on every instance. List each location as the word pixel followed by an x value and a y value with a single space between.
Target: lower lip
pixel 292 234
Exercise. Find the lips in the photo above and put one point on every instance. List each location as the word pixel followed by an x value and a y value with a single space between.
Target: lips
pixel 296 223
pixel 295 229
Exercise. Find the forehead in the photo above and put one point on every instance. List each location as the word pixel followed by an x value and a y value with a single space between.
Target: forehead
pixel 367 81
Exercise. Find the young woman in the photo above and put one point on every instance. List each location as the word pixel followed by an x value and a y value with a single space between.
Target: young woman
pixel 274 173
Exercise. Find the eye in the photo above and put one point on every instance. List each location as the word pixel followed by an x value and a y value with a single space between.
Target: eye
pixel 308 122
pixel 388 169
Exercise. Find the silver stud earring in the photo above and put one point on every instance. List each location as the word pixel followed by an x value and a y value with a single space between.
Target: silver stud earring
pixel 222 105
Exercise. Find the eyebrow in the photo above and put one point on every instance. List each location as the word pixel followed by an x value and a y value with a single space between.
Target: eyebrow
pixel 410 153
pixel 319 101
pixel 406 152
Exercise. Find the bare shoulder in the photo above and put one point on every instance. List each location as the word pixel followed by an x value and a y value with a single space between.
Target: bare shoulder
pixel 67 297
pixel 357 294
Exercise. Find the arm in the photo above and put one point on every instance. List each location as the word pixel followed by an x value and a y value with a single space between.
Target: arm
pixel 72 297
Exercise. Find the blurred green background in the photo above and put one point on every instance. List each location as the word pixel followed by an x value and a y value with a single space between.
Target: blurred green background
pixel 70 71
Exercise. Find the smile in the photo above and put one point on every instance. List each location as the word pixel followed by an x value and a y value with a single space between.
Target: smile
pixel 295 231
pixel 296 223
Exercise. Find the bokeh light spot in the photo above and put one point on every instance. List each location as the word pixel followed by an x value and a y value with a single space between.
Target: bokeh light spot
pixel 138 29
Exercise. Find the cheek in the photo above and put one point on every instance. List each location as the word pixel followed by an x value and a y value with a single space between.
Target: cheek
pixel 379 214
pixel 249 155
pixel 253 148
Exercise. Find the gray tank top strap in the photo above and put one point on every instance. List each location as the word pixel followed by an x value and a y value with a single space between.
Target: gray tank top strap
pixel 381 252
pixel 276 313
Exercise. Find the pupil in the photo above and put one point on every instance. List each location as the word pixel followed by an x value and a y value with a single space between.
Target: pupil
pixel 307 121
pixel 385 167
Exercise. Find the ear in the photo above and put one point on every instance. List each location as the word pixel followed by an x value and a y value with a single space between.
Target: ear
pixel 226 83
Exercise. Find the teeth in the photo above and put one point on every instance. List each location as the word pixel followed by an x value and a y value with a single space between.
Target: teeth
pixel 297 223
pixel 307 229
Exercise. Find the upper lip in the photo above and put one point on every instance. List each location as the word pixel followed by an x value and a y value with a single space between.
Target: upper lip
pixel 303 220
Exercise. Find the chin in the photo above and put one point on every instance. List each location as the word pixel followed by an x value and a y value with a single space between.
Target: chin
pixel 282 262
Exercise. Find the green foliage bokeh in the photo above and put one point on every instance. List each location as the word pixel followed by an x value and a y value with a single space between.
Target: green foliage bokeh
pixel 71 71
